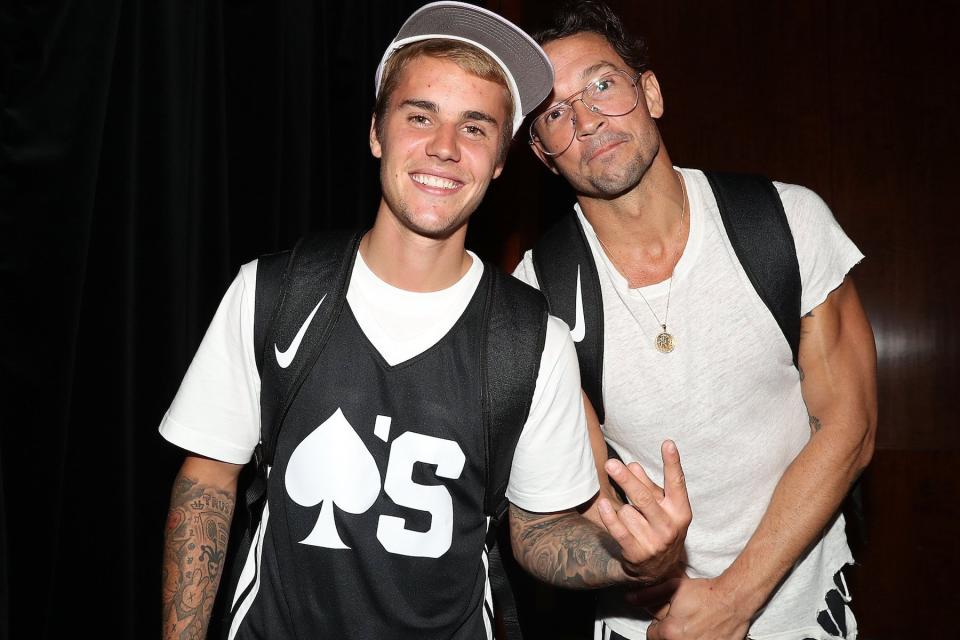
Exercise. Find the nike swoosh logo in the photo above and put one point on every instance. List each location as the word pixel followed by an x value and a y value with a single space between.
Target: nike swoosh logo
pixel 284 358
pixel 579 330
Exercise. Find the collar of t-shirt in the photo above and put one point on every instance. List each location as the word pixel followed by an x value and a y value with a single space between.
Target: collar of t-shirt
pixel 694 186
pixel 402 324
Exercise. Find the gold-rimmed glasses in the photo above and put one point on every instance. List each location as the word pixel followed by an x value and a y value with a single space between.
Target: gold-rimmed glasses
pixel 612 94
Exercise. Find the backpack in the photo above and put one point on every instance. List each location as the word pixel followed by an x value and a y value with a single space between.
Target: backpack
pixel 515 319
pixel 756 224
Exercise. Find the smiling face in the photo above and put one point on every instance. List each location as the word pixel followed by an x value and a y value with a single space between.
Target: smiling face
pixel 438 145
pixel 609 155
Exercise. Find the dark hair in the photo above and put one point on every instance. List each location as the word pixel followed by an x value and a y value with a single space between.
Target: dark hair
pixel 579 16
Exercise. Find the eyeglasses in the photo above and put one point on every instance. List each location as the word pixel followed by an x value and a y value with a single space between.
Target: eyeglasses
pixel 612 94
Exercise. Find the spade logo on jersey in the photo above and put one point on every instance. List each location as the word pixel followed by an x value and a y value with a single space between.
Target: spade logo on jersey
pixel 332 466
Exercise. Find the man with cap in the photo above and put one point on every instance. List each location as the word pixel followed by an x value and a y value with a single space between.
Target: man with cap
pixel 690 329
pixel 375 520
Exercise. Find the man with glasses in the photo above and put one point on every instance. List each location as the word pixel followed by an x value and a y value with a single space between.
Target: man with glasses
pixel 376 513
pixel 688 351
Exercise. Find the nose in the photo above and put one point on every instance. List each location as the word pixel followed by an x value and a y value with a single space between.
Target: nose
pixel 443 144
pixel 588 119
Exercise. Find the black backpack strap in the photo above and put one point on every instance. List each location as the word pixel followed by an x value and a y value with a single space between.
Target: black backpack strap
pixel 756 224
pixel 515 321
pixel 515 318
pixel 568 277
pixel 289 287
pixel 271 273
pixel 315 285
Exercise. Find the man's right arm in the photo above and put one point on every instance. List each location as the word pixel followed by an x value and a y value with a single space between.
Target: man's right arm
pixel 195 544
pixel 640 542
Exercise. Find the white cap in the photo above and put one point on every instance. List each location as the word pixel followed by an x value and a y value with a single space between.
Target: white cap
pixel 528 70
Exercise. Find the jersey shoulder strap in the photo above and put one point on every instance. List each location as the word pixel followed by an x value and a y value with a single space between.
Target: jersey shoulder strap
pixel 757 226
pixel 568 278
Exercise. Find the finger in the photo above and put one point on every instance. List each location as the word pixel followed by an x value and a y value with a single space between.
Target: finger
pixel 642 498
pixel 641 475
pixel 627 539
pixel 674 483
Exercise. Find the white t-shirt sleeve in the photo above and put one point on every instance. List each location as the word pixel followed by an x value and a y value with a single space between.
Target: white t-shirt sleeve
pixel 553 466
pixel 824 251
pixel 216 412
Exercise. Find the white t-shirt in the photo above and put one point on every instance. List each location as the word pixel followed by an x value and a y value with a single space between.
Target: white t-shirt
pixel 216 412
pixel 728 395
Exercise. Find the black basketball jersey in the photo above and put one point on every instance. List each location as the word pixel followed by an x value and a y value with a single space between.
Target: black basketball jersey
pixel 375 523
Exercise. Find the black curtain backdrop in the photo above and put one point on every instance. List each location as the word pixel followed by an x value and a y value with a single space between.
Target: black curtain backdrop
pixel 148 149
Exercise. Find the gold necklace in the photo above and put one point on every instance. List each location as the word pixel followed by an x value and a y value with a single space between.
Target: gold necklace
pixel 665 341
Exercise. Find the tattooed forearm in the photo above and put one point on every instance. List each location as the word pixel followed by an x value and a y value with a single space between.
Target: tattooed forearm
pixel 564 550
pixel 195 543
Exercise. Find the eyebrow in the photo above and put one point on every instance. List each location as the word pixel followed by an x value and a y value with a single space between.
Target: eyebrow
pixel 426 105
pixel 479 115
pixel 588 73
pixel 433 107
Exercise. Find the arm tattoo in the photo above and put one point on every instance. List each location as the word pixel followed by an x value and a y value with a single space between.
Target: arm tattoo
pixel 564 550
pixel 815 425
pixel 198 526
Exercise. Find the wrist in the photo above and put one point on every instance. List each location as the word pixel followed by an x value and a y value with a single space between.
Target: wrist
pixel 740 594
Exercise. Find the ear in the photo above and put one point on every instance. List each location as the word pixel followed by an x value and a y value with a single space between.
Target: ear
pixel 544 158
pixel 651 94
pixel 375 148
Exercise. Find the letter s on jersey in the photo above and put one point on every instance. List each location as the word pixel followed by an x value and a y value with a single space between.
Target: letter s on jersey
pixel 405 451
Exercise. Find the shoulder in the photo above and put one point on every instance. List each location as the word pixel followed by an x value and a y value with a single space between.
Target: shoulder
pixel 803 206
pixel 558 347
pixel 824 251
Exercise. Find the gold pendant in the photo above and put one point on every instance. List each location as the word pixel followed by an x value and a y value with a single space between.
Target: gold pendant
pixel 664 342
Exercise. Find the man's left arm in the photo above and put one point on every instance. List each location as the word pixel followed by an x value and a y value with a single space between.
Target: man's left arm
pixel 837 360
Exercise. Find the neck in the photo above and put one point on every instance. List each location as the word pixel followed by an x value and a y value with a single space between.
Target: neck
pixel 407 260
pixel 642 230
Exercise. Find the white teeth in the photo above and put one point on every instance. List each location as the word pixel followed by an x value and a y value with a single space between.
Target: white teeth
pixel 435 181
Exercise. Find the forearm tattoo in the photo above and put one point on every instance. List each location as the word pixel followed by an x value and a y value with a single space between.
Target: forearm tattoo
pixel 198 526
pixel 568 550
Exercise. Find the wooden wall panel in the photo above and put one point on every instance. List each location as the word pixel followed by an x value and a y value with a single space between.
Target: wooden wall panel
pixel 904 583
pixel 859 101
